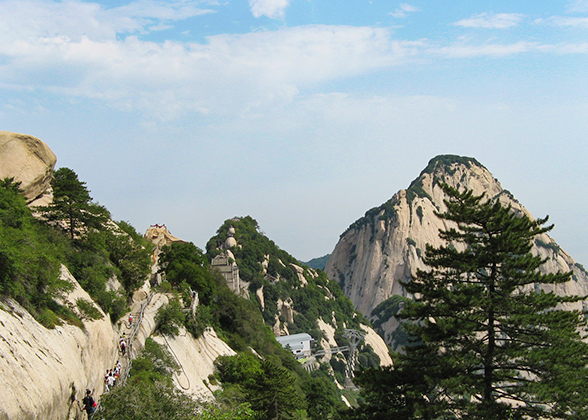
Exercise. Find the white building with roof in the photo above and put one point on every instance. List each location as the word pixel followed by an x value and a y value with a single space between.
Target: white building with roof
pixel 298 344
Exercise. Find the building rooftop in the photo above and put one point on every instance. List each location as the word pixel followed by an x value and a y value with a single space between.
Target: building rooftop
pixel 294 340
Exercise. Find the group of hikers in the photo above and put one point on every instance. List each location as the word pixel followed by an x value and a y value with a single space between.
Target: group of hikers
pixel 112 376
pixel 110 379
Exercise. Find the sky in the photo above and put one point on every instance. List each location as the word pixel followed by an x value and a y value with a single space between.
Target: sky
pixel 303 114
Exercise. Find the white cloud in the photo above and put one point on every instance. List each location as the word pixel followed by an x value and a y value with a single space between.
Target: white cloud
pixel 76 19
pixel 491 21
pixel 273 9
pixel 503 50
pixel 488 50
pixel 403 10
pixel 228 74
pixel 578 6
pixel 72 49
pixel 560 21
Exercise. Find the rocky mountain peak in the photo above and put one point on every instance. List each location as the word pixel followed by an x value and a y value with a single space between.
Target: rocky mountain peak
pixel 458 171
pixel 388 243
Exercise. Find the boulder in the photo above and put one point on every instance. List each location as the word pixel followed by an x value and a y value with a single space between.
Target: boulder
pixel 29 161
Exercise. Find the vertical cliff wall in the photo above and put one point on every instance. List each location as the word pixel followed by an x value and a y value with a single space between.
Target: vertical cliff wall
pixel 42 370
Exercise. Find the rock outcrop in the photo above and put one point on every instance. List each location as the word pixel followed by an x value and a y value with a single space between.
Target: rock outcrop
pixel 195 357
pixel 388 243
pixel 160 236
pixel 29 161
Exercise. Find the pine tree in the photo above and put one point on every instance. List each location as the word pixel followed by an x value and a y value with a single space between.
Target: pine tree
pixel 488 341
pixel 274 395
pixel 72 203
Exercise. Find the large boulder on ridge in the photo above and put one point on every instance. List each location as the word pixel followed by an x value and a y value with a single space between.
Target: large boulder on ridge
pixel 29 161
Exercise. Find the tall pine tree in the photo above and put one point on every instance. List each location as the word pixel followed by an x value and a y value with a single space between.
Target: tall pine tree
pixel 489 342
pixel 72 203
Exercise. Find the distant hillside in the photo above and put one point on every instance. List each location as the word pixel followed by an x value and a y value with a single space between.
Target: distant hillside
pixel 317 263
pixel 293 298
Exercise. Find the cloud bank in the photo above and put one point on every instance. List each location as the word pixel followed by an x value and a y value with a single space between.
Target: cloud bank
pixel 81 49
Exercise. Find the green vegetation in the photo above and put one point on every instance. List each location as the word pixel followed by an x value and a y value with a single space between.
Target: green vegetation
pixel 30 256
pixel 154 364
pixel 320 298
pixel 385 311
pixel 447 161
pixel 88 310
pixel 103 254
pixel 317 263
pixel 484 345
pixel 551 245
pixel 388 210
pixel 416 189
pixel 170 317
pixel 185 262
pixel 273 387
pixel 72 205
pixel 237 320
pixel 274 391
pixel 419 212
pixel 312 298
pixel 150 394
pixel 73 231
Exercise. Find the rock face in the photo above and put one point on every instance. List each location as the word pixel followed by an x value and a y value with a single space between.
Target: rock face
pixel 196 357
pixel 42 369
pixel 387 244
pixel 29 161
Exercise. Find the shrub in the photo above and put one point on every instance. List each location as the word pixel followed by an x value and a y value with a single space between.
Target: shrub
pixel 48 319
pixel 169 318
pixel 88 310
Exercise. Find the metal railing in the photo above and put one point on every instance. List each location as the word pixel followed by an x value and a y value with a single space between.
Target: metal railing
pixel 124 376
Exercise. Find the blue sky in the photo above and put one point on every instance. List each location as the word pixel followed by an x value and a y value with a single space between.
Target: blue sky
pixel 303 114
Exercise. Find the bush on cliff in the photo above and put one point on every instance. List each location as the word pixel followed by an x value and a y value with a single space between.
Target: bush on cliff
pixel 30 255
pixel 32 251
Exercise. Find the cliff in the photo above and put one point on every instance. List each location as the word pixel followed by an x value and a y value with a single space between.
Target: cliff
pixel 388 243
pixel 42 370
pixel 45 370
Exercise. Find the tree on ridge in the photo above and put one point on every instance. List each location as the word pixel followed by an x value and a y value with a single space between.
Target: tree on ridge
pixel 72 203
